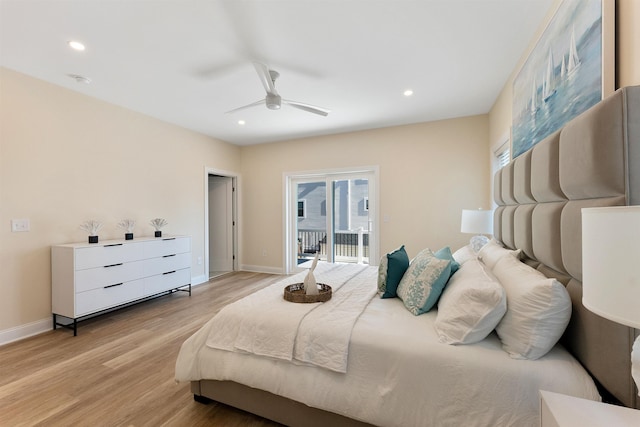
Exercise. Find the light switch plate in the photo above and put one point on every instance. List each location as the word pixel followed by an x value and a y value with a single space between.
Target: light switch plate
pixel 20 225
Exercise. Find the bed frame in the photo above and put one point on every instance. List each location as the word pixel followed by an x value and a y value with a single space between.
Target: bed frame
pixel 593 161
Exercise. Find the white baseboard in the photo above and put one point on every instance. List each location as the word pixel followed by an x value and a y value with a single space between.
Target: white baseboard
pixel 25 331
pixel 199 280
pixel 34 328
pixel 261 269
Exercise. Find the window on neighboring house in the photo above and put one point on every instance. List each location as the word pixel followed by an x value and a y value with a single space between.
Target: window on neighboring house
pixel 302 208
pixel 366 204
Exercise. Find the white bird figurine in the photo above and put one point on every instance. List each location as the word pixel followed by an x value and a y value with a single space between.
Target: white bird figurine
pixel 310 286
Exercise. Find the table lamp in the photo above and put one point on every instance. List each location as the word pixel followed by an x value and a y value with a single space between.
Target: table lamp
pixel 478 222
pixel 611 268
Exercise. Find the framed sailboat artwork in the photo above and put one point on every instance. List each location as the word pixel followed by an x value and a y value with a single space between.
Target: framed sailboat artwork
pixel 570 69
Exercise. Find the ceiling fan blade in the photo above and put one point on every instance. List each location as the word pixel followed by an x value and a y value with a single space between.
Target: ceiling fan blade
pixel 309 108
pixel 244 107
pixel 265 77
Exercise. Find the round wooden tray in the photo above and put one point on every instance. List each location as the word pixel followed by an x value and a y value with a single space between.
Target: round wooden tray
pixel 295 293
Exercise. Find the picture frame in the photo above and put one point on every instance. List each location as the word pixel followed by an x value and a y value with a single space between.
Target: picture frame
pixel 570 69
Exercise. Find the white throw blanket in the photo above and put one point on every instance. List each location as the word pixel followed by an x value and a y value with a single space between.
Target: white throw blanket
pixel 265 324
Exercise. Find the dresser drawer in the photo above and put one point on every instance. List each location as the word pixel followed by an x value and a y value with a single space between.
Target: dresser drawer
pixel 99 256
pixel 167 246
pixel 166 281
pixel 102 298
pixel 167 263
pixel 93 278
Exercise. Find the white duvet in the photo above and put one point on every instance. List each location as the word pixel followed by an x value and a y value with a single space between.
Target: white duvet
pixel 399 374
pixel 266 325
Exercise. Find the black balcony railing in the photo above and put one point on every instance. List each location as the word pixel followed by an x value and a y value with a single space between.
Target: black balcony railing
pixel 345 242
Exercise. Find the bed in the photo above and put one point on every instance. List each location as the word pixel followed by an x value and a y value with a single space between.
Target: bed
pixel 398 372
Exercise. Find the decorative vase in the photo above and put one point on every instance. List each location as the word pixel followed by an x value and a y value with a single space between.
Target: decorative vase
pixel 310 285
pixel 158 223
pixel 128 236
pixel 91 227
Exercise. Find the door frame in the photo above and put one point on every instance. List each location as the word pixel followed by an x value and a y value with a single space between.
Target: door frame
pixel 290 207
pixel 235 200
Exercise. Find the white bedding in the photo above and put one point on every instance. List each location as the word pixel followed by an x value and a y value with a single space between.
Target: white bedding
pixel 265 324
pixel 399 374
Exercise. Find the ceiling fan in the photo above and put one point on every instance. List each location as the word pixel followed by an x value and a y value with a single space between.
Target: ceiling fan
pixel 273 100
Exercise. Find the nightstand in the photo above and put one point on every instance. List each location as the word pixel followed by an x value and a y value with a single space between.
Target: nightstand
pixel 559 410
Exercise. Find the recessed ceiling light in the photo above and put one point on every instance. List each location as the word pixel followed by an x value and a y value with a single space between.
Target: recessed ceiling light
pixel 241 122
pixel 76 45
pixel 80 79
pixel 408 92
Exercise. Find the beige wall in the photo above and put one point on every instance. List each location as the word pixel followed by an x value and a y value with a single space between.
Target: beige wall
pixel 627 62
pixel 628 34
pixel 66 158
pixel 429 172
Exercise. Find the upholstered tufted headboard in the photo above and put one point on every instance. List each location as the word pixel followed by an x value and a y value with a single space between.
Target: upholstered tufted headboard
pixel 594 160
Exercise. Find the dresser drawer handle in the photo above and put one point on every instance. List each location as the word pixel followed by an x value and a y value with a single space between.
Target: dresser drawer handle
pixel 170 238
pixel 167 256
pixel 113 286
pixel 114 244
pixel 169 272
pixel 112 265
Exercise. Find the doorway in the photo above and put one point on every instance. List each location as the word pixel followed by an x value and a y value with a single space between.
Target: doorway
pixel 333 214
pixel 220 237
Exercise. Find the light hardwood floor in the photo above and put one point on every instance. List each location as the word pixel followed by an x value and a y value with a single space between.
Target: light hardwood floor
pixel 119 370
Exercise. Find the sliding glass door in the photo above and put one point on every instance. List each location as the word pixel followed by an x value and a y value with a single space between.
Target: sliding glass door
pixel 351 222
pixel 311 219
pixel 331 214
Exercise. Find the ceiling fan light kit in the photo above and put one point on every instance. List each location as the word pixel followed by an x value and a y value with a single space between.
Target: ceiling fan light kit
pixel 273 100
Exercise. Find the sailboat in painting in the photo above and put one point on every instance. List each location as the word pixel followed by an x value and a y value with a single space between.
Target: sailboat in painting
pixel 563 75
pixel 548 82
pixel 573 61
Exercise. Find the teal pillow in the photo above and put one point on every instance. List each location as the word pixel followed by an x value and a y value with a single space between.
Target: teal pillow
pixel 445 254
pixel 390 271
pixel 423 282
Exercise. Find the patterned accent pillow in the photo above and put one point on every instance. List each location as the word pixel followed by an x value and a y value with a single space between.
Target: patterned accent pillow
pixel 390 271
pixel 382 274
pixel 423 282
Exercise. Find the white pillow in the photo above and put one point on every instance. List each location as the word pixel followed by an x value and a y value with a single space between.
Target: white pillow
pixel 492 252
pixel 538 310
pixel 471 305
pixel 464 254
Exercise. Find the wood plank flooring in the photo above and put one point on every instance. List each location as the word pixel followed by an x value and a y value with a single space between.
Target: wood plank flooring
pixel 119 370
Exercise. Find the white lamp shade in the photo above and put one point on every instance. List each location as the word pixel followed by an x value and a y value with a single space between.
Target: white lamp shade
pixel 611 263
pixel 477 221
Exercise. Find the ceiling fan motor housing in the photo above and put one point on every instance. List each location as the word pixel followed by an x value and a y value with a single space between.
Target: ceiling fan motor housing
pixel 273 101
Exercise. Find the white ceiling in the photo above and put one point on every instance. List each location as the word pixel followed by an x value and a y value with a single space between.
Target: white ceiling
pixel 187 62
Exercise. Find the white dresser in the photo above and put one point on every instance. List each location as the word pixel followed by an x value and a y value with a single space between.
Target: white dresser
pixel 89 278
